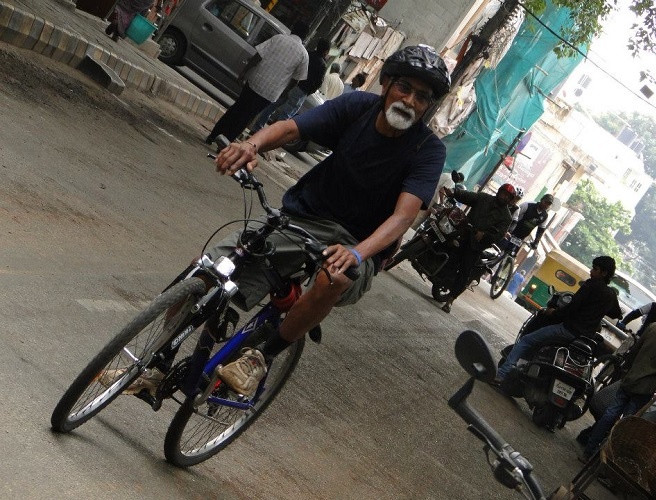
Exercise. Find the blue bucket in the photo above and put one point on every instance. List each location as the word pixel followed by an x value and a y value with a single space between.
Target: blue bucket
pixel 140 29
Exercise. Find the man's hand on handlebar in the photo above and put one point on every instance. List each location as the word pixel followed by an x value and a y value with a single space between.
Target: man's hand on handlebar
pixel 236 156
pixel 339 259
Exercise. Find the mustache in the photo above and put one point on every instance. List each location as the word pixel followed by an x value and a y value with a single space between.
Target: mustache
pixel 399 106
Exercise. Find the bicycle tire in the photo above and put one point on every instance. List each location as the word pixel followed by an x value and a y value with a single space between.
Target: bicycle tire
pixel 87 396
pixel 195 435
pixel 501 278
pixel 607 369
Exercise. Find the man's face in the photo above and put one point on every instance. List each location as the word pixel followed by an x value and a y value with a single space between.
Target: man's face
pixel 545 204
pixel 597 273
pixel 504 197
pixel 406 102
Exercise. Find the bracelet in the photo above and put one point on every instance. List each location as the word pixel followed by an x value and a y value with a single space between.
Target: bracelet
pixel 252 144
pixel 357 255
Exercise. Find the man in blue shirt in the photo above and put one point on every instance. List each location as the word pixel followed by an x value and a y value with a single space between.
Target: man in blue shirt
pixel 360 200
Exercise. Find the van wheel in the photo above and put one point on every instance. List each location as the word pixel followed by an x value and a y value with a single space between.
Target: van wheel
pixel 173 46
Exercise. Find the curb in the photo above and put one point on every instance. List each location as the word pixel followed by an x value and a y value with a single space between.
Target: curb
pixel 27 31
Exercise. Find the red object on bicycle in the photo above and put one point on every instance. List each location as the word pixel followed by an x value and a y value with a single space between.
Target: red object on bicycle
pixel 285 303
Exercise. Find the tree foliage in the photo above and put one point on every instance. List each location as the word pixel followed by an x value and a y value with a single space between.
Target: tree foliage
pixel 587 19
pixel 594 235
pixel 643 125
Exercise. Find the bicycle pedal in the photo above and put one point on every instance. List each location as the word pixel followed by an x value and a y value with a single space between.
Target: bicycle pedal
pixel 154 403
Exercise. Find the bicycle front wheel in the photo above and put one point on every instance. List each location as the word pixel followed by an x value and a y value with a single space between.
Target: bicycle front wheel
pixel 501 278
pixel 126 356
pixel 196 434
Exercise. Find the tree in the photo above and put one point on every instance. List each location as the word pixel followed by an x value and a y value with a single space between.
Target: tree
pixel 594 235
pixel 643 125
pixel 587 20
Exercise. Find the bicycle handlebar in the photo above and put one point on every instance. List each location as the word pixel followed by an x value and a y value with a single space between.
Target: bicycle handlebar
pixel 313 246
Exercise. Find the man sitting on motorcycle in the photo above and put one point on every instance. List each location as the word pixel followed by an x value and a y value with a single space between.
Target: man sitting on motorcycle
pixel 489 218
pixel 581 317
pixel 529 216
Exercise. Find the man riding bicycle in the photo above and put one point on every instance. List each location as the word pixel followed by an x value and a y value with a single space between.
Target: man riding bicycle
pixel 360 200
pixel 528 217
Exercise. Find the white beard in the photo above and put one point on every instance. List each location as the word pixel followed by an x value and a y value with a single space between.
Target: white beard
pixel 400 116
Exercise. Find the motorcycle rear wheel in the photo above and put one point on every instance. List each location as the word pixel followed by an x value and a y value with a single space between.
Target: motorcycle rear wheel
pixel 547 416
pixel 440 293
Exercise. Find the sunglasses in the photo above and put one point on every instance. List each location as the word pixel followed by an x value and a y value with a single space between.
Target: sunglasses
pixel 422 97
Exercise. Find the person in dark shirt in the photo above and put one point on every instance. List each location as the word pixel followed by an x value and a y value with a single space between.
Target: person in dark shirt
pixel 529 216
pixel 359 201
pixel 290 102
pixel 635 391
pixel 489 218
pixel 581 317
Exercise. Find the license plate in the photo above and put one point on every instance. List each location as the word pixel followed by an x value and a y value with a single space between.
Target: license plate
pixel 437 231
pixel 563 390
pixel 515 241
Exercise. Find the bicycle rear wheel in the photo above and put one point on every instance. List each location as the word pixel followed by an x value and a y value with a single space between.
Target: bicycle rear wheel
pixel 126 356
pixel 196 434
pixel 501 278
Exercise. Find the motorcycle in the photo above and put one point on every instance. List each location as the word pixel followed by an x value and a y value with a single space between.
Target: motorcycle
pixel 556 381
pixel 436 242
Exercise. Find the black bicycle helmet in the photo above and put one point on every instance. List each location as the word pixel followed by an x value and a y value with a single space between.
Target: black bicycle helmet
pixel 419 61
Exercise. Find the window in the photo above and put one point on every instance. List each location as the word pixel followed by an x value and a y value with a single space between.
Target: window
pixel 266 32
pixel 566 278
pixel 237 17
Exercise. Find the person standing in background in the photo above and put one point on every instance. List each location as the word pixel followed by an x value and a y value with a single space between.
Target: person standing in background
pixel 357 82
pixel 288 104
pixel 277 62
pixel 332 84
pixel 123 14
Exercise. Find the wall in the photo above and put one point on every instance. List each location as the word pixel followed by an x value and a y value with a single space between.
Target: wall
pixel 427 21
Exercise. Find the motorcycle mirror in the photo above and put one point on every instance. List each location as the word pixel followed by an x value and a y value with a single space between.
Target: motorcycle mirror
pixel 475 356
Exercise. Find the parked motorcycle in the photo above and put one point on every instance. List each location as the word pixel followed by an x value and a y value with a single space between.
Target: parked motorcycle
pixel 436 242
pixel 556 381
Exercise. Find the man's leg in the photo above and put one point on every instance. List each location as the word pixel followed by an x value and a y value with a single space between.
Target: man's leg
pixel 264 116
pixel 466 261
pixel 247 106
pixel 543 336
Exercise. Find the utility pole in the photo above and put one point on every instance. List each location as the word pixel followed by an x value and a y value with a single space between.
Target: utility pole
pixel 511 148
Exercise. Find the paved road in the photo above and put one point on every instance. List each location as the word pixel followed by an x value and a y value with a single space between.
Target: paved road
pixel 104 200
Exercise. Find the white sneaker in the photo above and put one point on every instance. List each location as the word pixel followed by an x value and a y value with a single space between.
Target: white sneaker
pixel 244 375
pixel 148 380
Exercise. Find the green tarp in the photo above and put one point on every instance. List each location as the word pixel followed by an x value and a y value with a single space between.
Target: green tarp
pixel 510 97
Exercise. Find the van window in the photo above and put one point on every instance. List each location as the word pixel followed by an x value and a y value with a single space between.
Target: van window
pixel 237 17
pixel 266 32
pixel 566 278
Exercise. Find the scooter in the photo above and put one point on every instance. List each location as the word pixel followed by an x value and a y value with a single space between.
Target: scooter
pixel 436 242
pixel 556 381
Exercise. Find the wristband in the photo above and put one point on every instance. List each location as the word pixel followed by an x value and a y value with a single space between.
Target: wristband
pixel 357 255
pixel 252 144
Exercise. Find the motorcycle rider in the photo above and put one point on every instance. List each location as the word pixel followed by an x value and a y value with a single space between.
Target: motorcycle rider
pixel 581 317
pixel 530 216
pixel 635 391
pixel 489 216
pixel 649 313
